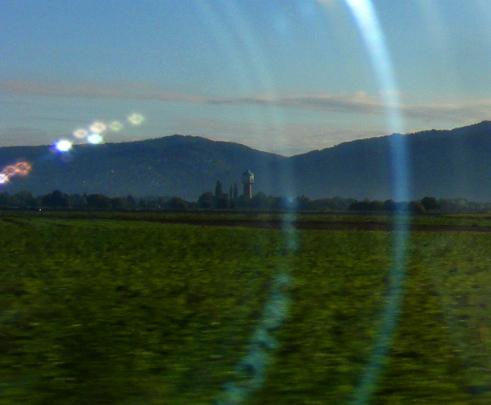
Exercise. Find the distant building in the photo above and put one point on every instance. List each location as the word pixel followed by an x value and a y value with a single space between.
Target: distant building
pixel 248 183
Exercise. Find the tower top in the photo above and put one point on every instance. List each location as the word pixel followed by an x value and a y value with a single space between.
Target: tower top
pixel 248 177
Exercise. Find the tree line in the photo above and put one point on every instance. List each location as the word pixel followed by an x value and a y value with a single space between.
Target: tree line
pixel 220 200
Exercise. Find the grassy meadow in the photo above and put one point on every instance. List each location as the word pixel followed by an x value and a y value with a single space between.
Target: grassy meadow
pixel 111 311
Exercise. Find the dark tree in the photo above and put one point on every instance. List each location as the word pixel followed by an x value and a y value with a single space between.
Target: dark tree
pixel 24 199
pixel 78 201
pixel 177 204
pixel 416 207
pixel 131 202
pixel 98 201
pixel 5 200
pixel 260 201
pixel 235 192
pixel 118 203
pixel 303 203
pixel 206 200
pixel 389 205
pixel 430 203
pixel 218 189
pixel 56 199
pixel 222 201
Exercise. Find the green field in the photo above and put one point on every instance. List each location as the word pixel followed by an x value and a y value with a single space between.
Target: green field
pixel 109 310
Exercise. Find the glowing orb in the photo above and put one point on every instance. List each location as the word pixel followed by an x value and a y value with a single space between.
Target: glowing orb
pixel 136 119
pixel 95 139
pixel 115 126
pixel 80 133
pixel 98 127
pixel 63 145
pixel 4 179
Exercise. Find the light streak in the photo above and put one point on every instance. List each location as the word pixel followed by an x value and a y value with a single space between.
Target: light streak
pixel 372 34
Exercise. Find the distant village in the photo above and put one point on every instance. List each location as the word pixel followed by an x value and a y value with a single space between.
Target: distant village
pixel 221 199
pixel 233 198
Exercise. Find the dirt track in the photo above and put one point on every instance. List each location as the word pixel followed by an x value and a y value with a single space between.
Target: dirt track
pixel 332 225
pixel 276 223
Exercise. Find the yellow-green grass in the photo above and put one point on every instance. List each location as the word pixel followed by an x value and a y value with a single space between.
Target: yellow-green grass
pixel 108 311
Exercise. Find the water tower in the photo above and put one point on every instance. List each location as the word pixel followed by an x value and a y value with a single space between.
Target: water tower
pixel 248 182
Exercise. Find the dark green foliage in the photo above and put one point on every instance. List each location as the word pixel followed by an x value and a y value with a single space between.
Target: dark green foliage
pixel 430 203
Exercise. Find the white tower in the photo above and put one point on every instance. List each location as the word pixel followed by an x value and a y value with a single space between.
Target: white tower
pixel 248 182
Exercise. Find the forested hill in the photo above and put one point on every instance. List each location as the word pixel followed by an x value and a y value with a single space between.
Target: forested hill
pixel 454 163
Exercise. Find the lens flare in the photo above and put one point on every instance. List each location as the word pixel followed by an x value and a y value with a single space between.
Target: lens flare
pixel 136 119
pixel 95 139
pixel 22 168
pixel 80 133
pixel 372 34
pixel 63 145
pixel 4 179
pixel 98 127
pixel 9 171
pixel 115 126
pixel 19 169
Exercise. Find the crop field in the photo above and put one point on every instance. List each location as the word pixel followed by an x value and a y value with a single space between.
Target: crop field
pixel 108 310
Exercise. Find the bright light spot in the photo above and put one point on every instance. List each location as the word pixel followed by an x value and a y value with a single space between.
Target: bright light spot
pixel 63 145
pixel 136 119
pixel 80 133
pixel 98 127
pixel 4 179
pixel 95 139
pixel 115 126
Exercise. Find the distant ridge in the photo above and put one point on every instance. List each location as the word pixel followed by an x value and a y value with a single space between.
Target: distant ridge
pixel 443 163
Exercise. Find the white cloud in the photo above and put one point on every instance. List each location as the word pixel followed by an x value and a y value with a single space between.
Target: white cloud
pixel 354 103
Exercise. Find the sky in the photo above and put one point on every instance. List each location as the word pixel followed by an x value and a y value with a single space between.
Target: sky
pixel 286 76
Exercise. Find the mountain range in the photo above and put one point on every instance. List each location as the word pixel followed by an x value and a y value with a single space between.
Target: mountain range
pixel 442 163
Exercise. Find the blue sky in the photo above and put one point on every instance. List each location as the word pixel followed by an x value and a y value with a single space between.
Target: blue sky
pixel 281 75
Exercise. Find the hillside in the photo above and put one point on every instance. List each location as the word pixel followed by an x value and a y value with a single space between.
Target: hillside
pixel 174 165
pixel 454 163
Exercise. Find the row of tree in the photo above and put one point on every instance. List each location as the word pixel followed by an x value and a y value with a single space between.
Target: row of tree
pixel 60 200
pixel 427 204
pixel 231 200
